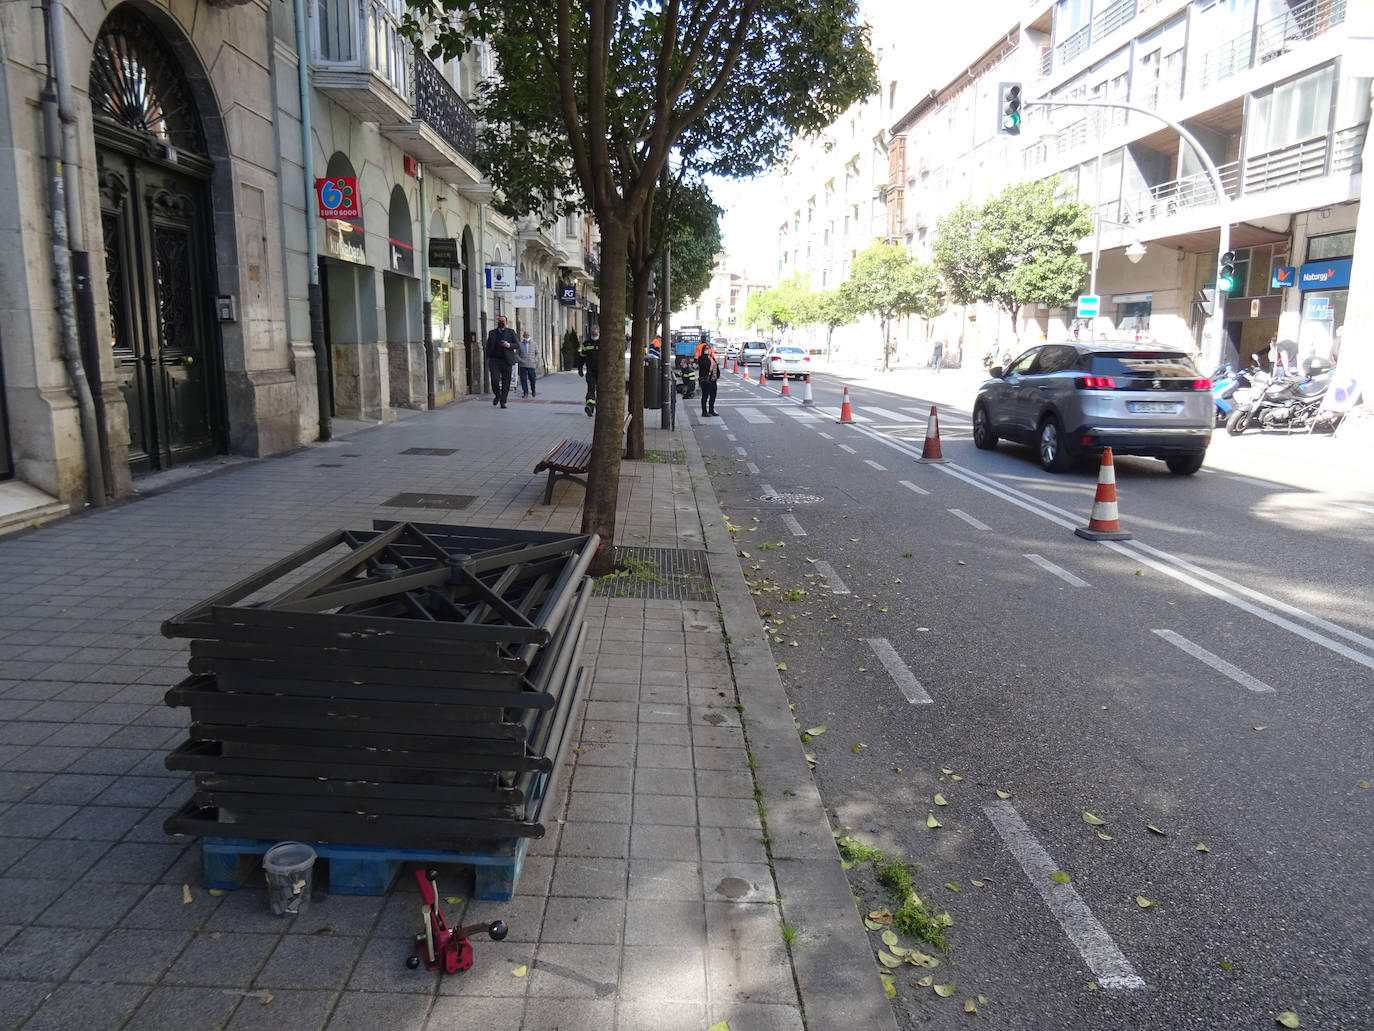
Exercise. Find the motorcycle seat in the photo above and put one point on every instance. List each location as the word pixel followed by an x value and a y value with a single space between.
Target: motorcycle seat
pixel 1313 387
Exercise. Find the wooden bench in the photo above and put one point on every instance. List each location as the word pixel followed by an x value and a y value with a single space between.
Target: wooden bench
pixel 569 460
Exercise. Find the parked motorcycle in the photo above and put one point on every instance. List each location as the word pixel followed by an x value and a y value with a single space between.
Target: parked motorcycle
pixel 1288 403
pixel 1232 387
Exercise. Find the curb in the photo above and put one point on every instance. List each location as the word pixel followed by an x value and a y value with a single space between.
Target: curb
pixel 833 959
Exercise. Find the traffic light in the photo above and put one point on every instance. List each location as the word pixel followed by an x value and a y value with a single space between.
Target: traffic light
pixel 1009 108
pixel 1226 272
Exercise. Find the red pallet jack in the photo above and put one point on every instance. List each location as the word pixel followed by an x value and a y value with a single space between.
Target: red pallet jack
pixel 440 946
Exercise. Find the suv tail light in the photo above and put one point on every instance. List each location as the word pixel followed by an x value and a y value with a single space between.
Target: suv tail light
pixel 1202 384
pixel 806 357
pixel 1095 383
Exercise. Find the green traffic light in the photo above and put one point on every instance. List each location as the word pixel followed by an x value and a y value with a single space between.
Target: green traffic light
pixel 1226 283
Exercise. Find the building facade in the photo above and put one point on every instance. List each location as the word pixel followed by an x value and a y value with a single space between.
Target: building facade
pixel 211 192
pixel 1272 94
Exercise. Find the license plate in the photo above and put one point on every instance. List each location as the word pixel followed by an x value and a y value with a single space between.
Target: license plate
pixel 1161 407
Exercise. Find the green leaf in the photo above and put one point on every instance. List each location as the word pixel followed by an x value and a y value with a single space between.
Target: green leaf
pixel 1089 818
pixel 890 987
pixel 1201 848
pixel 952 885
pixel 720 1025
pixel 1363 784
pixel 816 731
pixel 1060 877
pixel 1003 794
pixel 1143 902
pixel 1288 1019
pixel 887 959
pixel 890 939
pixel 970 1006
pixel 940 800
pixel 944 991
pixel 931 822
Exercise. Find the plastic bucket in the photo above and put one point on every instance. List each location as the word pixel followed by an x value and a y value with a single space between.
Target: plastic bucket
pixel 289 867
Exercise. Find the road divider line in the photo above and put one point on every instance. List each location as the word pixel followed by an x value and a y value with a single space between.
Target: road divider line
pixel 731 436
pixel 912 487
pixel 1058 571
pixel 825 435
pixel 1216 662
pixel 790 521
pixel 740 451
pixel 901 675
pixel 976 524
pixel 846 447
pixel 752 468
pixel 1356 506
pixel 833 583
pixel 767 489
pixel 1112 969
pixel 880 468
pixel 1256 482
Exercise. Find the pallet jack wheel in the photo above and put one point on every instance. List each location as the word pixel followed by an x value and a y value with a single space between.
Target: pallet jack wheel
pixel 413 963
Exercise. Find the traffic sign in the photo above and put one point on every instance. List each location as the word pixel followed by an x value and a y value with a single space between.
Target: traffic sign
pixel 1088 305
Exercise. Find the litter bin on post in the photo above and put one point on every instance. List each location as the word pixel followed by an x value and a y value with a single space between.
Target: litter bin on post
pixel 653 384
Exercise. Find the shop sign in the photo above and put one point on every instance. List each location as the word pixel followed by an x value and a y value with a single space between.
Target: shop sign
pixel 1325 275
pixel 338 197
pixel 1284 276
pixel 501 278
pixel 524 297
pixel 344 240
pixel 567 295
pixel 402 257
pixel 443 252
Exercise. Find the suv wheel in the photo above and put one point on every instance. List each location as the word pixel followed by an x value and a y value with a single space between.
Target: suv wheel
pixel 984 439
pixel 1050 446
pixel 1185 465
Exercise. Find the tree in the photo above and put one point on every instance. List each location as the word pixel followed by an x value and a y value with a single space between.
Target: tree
pixel 832 308
pixel 1021 247
pixel 886 281
pixel 779 307
pixel 607 90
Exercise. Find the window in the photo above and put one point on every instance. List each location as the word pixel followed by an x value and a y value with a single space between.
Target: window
pixel 1022 365
pixel 1337 245
pixel 1293 111
pixel 1056 358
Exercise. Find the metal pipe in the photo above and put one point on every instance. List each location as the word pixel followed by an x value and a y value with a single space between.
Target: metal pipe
pixel 62 278
pixel 665 346
pixel 314 295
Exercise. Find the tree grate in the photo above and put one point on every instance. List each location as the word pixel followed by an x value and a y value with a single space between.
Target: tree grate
pixel 670 574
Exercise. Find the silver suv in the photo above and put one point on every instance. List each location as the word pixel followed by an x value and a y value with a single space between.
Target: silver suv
pixel 1069 400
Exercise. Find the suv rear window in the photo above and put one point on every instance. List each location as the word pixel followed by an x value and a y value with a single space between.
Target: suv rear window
pixel 1143 365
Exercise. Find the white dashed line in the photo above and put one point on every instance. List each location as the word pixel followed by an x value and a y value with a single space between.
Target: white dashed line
pixel 1094 944
pixel 1356 507
pixel 912 487
pixel 880 468
pixel 969 519
pixel 767 489
pixel 1058 571
pixel 903 677
pixel 790 521
pixel 834 585
pixel 825 435
pixel 753 415
pixel 752 468
pixel 1216 662
pixel 731 436
pixel 846 447
pixel 740 451
pixel 1254 481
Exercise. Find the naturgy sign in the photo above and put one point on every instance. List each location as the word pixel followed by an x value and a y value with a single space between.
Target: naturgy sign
pixel 1324 275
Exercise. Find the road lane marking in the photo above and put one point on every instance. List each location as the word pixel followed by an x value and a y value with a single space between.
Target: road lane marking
pixel 912 487
pixel 903 677
pixel 846 447
pixel 880 468
pixel 969 519
pixel 825 435
pixel 753 415
pixel 834 585
pixel 1356 507
pixel 790 521
pixel 740 451
pixel 731 436
pixel 767 489
pixel 752 468
pixel 1267 485
pixel 1216 662
pixel 1058 571
pixel 887 415
pixel 1112 969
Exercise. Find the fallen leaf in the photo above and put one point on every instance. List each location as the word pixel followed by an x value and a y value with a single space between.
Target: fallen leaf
pixel 952 885
pixel 890 938
pixel 917 958
pixel 890 987
pixel 946 770
pixel 940 800
pixel 931 822
pixel 1224 965
pixel 782 667
pixel 882 916
pixel 216 892
pixel 720 1025
pixel 982 1000
pixel 1288 1019
pixel 1095 821
pixel 1003 794
pixel 1261 728
pixel 1362 784
pixel 970 1006
pixel 520 971
pixel 887 959
pixel 1201 848
pixel 1104 837
pixel 1143 902
pixel 811 759
pixel 871 924
pixel 744 554
pixel 926 981
pixel 955 777
pixel 816 731
pixel 265 997
pixel 976 884
pixel 944 991
pixel 1152 827
pixel 1060 877
pixel 1092 986
pixel 960 561
pixel 453 900
pixel 856 749
pixel 186 894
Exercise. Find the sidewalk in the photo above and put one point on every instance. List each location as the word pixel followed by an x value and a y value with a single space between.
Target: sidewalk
pixel 657 898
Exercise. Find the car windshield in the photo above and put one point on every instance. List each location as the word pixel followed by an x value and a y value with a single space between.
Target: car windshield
pixel 1154 364
pixel 788 350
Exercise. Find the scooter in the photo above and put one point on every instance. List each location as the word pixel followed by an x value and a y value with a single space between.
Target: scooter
pixel 1231 387
pixel 1287 403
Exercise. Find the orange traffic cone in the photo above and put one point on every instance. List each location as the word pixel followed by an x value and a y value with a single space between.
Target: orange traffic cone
pixel 744 369
pixel 930 451
pixel 762 378
pixel 806 391
pixel 734 365
pixel 784 391
pixel 845 414
pixel 1104 524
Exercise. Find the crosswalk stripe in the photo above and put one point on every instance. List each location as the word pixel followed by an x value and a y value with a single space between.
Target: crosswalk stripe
pixel 753 415
pixel 886 414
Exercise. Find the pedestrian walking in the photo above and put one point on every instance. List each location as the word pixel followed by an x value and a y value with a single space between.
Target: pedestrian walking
pixel 528 361
pixel 501 347
pixel 937 355
pixel 708 373
pixel 588 356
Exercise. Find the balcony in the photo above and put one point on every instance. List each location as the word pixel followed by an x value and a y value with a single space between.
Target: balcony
pixel 1171 198
pixel 360 58
pixel 1266 41
pixel 443 131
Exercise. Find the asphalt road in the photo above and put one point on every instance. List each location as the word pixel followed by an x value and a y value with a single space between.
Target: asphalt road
pixel 1211 678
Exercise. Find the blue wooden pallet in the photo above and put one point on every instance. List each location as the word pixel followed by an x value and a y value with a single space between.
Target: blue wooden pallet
pixel 226 863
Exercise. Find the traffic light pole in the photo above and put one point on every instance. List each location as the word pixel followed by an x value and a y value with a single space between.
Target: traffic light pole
pixel 1213 173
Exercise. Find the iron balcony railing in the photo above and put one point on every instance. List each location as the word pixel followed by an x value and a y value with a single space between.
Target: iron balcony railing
pixel 1112 18
pixel 438 104
pixel 1171 197
pixel 363 35
pixel 1266 41
pixel 1074 44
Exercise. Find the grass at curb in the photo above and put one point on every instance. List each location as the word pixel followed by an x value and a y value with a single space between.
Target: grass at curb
pixel 909 913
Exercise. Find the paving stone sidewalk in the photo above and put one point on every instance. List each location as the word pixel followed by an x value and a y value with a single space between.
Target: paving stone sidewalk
pixel 650 904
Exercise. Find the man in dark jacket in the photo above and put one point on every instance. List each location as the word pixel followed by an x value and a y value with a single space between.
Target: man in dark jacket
pixel 588 356
pixel 501 347
pixel 708 373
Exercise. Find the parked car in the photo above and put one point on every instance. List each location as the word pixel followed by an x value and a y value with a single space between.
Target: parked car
pixel 1069 400
pixel 753 352
pixel 786 361
pixel 731 349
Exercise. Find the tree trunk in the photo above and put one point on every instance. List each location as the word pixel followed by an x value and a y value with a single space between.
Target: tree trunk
pixel 603 477
pixel 634 441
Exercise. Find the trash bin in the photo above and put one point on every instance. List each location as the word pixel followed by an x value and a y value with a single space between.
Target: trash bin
pixel 289 867
pixel 653 383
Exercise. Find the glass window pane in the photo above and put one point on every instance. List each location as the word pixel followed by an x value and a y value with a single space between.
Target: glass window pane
pixel 1337 245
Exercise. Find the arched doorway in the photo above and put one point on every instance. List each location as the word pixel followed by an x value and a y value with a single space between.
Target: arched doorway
pixel 474 346
pixel 405 345
pixel 154 174
pixel 349 297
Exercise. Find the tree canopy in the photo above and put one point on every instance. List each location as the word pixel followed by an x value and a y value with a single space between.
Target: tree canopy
pixel 887 282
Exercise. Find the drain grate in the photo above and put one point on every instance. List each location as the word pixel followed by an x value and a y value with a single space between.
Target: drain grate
pixel 667 573
pixel 666 457
pixel 791 499
pixel 447 502
pixel 438 452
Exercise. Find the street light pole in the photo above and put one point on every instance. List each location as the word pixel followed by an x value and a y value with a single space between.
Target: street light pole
pixel 1213 173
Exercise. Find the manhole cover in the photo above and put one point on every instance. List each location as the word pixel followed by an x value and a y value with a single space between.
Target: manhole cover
pixel 451 502
pixel 791 499
pixel 438 452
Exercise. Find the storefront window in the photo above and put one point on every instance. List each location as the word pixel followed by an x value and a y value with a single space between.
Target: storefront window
pixel 441 332
pixel 1336 245
pixel 1323 311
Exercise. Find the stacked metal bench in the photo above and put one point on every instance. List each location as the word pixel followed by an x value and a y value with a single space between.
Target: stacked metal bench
pixel 408 687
